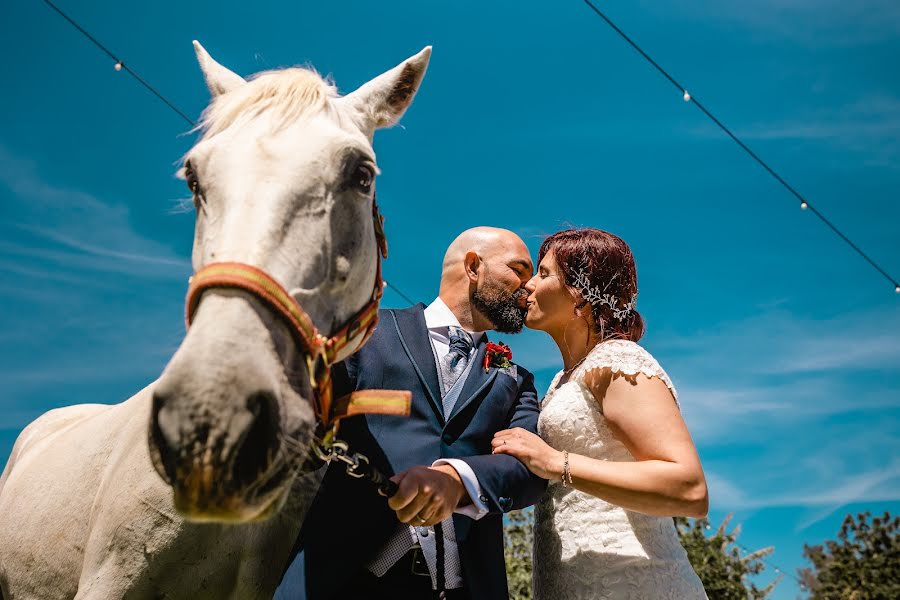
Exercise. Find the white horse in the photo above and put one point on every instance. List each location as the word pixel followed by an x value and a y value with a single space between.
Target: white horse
pixel 283 180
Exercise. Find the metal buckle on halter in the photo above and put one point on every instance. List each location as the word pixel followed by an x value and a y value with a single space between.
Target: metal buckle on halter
pixel 317 365
pixel 352 329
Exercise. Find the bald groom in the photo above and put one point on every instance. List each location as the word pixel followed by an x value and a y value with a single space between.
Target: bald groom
pixel 441 535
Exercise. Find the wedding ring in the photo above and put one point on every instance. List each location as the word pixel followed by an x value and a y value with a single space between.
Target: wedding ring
pixel 420 520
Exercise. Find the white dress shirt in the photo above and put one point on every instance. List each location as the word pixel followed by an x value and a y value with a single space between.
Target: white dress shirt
pixel 438 320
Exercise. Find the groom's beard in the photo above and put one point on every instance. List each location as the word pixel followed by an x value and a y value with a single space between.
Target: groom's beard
pixel 502 308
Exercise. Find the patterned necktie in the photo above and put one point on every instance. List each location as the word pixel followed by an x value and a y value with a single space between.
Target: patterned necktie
pixel 454 363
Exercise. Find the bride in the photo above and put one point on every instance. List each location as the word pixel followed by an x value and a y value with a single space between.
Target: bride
pixel 612 441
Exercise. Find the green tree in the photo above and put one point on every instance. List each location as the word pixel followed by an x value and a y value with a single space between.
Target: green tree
pixel 720 563
pixel 863 564
pixel 518 541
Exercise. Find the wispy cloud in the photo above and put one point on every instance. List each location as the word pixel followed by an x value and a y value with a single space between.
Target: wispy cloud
pixel 819 23
pixel 880 484
pixel 869 127
pixel 87 232
pixel 864 340
pixel 89 248
pixel 804 421
pixel 89 301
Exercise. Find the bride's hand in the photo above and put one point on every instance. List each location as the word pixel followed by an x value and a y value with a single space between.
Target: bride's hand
pixel 541 459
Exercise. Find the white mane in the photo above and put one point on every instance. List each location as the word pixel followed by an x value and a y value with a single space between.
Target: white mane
pixel 285 96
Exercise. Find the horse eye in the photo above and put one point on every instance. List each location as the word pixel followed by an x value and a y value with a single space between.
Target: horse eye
pixel 363 178
pixel 190 177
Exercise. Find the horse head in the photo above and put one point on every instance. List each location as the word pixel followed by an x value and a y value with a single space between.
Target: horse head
pixel 283 179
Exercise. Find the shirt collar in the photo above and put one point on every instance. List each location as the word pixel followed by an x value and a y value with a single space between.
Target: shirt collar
pixel 439 317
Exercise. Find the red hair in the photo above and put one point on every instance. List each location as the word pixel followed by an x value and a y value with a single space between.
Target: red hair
pixel 607 262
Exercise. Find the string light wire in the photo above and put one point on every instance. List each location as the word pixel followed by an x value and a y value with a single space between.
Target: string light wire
pixel 399 293
pixel 804 204
pixel 119 64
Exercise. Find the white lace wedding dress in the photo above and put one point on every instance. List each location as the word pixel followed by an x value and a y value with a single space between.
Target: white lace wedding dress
pixel 585 547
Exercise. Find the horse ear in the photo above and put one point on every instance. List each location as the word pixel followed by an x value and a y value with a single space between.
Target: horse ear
pixel 219 80
pixel 383 100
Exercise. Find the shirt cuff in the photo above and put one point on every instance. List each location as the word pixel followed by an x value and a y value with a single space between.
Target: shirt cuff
pixel 479 507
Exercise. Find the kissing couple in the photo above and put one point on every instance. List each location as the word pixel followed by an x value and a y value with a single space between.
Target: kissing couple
pixel 605 455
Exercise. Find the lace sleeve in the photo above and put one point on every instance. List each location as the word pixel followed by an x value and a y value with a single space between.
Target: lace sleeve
pixel 625 357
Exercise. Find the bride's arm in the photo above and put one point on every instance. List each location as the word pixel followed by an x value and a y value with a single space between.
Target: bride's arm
pixel 666 478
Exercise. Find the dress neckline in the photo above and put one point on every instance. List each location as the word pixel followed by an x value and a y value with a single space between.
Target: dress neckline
pixel 555 384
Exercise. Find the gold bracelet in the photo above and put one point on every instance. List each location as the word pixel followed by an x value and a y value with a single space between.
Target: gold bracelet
pixel 566 475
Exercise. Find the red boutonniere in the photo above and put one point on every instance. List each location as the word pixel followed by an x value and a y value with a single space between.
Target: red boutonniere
pixel 497 355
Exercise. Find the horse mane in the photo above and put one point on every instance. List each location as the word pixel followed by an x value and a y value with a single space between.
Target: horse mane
pixel 285 94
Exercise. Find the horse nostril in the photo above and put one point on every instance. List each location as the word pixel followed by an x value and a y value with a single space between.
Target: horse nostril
pixel 164 436
pixel 164 420
pixel 260 442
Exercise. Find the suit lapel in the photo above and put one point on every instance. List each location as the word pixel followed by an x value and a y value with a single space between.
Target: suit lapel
pixel 414 338
pixel 476 382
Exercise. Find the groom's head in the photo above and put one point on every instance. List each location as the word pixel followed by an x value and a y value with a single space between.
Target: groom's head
pixel 484 274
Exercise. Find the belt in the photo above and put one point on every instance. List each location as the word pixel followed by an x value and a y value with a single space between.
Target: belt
pixel 418 565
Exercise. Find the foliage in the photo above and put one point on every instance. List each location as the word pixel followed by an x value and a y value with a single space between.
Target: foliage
pixel 519 539
pixel 863 564
pixel 720 562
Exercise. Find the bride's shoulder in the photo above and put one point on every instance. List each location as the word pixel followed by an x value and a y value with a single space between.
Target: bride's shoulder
pixel 618 351
pixel 625 357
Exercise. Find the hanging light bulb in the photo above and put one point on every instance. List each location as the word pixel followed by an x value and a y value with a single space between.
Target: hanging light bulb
pixel 118 66
pixel 687 97
pixel 804 205
pixel 897 289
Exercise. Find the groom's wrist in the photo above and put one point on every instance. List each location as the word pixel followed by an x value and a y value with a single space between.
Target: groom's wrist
pixel 475 506
pixel 454 474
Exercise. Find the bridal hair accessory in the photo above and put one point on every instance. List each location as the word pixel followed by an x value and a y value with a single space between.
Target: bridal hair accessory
pixel 595 295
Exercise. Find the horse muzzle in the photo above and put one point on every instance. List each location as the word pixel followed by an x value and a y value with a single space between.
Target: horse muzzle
pixel 227 459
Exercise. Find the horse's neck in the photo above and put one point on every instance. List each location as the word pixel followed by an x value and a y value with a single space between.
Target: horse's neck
pixel 303 491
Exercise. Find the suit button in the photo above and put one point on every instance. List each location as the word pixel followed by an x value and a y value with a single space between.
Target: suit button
pixel 505 503
pixel 483 498
pixel 447 438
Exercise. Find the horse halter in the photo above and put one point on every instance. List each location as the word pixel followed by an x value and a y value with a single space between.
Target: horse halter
pixel 321 351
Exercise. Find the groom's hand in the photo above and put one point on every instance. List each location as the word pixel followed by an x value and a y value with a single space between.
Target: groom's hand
pixel 427 495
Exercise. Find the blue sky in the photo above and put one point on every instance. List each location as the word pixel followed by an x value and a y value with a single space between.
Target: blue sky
pixel 533 116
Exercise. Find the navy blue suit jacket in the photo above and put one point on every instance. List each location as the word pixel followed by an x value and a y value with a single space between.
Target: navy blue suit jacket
pixel 348 522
